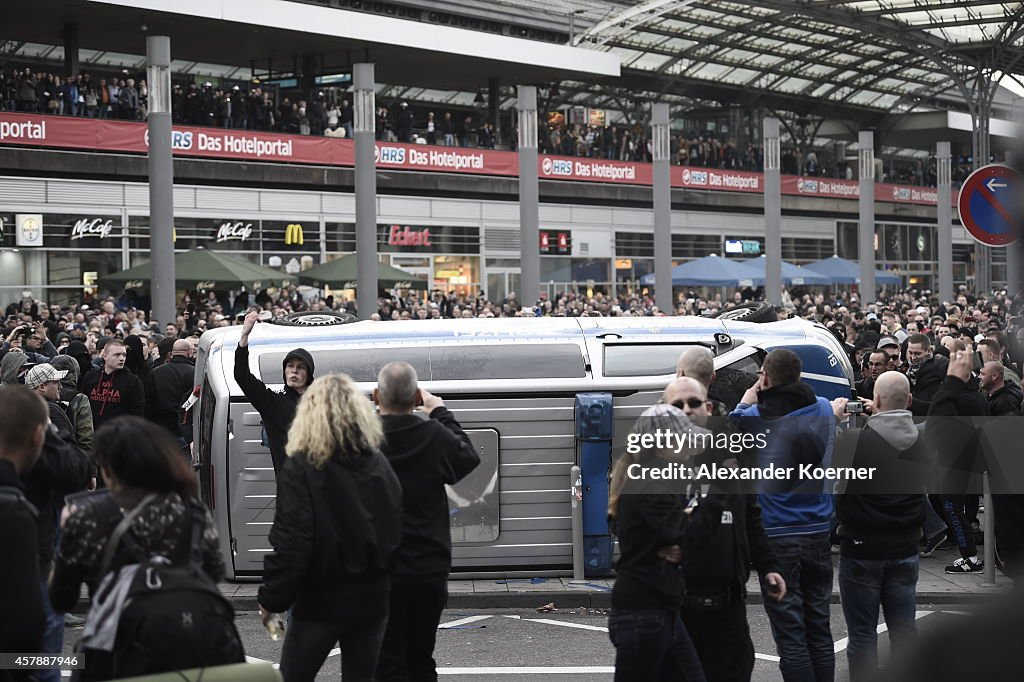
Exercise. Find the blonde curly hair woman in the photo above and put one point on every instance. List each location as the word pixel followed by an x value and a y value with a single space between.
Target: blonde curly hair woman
pixel 336 528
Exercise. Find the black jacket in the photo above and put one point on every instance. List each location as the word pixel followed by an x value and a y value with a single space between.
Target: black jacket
pixel 881 518
pixel 955 435
pixel 645 522
pixel 62 469
pixel 927 383
pixel 21 618
pixel 335 534
pixel 1005 401
pixel 167 387
pixel 426 455
pixel 865 388
pixel 112 395
pixel 276 409
pixel 750 546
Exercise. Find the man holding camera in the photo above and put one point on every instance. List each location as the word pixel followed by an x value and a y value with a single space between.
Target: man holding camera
pixel 32 341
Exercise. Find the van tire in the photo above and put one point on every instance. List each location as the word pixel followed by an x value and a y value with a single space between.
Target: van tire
pixel 322 319
pixel 750 312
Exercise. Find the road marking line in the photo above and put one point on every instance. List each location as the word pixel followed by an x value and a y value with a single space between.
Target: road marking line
pixel 442 626
pixel 564 624
pixel 841 644
pixel 250 659
pixel 958 613
pixel 536 670
pixel 461 621
pixel 768 657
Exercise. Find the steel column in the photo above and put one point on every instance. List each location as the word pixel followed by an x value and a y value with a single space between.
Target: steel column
pixel 772 212
pixel 161 179
pixel 866 230
pixel 364 121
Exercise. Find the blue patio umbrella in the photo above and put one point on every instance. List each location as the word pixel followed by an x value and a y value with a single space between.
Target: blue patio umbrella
pixel 792 275
pixel 843 271
pixel 711 271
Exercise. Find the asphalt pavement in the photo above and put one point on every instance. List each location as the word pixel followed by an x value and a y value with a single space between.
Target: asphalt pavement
pixel 570 645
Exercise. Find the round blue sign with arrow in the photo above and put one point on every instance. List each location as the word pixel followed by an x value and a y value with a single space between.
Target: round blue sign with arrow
pixel 989 205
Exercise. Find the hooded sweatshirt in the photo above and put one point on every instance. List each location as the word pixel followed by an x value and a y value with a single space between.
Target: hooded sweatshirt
pixel 881 517
pixel 79 351
pixel 426 454
pixel 9 367
pixel 75 404
pixel 276 409
pixel 112 395
pixel 798 429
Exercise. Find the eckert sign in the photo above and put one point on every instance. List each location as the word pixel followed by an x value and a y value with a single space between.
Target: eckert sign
pixel 408 236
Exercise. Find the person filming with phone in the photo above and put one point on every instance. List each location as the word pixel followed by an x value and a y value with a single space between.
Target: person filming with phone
pixel 277 410
pixel 880 522
pixel 428 449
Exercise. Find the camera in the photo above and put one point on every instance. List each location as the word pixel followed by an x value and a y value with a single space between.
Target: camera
pixel 854 407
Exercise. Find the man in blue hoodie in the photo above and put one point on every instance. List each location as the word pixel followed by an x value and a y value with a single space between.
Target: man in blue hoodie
pixel 798 429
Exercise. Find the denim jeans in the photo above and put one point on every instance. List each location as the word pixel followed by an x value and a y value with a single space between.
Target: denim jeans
pixel 53 636
pixel 800 622
pixel 864 584
pixel 652 645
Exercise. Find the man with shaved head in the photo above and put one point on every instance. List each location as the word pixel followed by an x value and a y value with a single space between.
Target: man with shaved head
pixel 167 388
pixel 880 523
pixel 1003 397
pixel 698 363
pixel 427 449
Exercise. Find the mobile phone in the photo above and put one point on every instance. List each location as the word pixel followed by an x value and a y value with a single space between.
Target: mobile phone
pixel 854 407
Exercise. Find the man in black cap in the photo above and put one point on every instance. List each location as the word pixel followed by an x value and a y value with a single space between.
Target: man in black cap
pixel 276 409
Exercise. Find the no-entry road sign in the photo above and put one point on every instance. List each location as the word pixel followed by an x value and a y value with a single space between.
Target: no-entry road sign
pixel 990 205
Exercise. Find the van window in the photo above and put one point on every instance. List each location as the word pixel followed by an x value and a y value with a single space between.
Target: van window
pixel 642 359
pixel 362 364
pixel 732 380
pixel 522 361
pixel 445 363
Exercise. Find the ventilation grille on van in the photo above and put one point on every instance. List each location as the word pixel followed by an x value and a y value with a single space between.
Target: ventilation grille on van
pixel 502 240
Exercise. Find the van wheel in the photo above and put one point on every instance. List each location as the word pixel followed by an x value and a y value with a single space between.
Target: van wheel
pixel 313 319
pixel 750 312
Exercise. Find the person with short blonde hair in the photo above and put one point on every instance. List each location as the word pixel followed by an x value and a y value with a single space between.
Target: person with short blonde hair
pixel 337 526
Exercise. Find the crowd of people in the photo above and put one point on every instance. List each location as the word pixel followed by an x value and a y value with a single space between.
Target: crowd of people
pixel 88 384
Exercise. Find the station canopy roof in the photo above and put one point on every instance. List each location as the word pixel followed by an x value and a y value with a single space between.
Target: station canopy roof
pixel 835 56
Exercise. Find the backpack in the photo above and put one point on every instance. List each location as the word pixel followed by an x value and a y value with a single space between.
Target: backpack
pixel 165 613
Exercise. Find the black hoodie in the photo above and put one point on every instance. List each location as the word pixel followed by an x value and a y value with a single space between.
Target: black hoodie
pixel 112 395
pixel 276 409
pixel 426 454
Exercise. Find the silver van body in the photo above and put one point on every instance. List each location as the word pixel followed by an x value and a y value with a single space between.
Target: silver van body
pixel 513 383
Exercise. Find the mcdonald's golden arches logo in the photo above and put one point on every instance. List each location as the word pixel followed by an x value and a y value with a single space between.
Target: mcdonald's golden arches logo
pixel 293 234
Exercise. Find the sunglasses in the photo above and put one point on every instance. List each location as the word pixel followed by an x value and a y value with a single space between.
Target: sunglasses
pixel 692 403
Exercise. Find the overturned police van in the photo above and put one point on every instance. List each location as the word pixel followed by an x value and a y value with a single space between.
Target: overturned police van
pixel 536 395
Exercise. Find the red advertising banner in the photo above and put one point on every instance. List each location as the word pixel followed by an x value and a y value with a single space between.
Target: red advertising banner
pixel 125 136
pixel 593 170
pixel 721 180
pixel 444 159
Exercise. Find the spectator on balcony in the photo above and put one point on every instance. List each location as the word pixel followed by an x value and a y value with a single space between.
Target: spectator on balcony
pixel 27 96
pixel 431 128
pixel 315 111
pixel 467 126
pixel 333 117
pixel 302 118
pixel 403 121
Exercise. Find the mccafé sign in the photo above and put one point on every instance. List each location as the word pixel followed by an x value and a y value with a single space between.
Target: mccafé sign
pixel 97 227
pixel 409 236
pixel 236 231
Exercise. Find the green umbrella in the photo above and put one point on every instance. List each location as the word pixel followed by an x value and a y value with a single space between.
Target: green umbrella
pixel 342 274
pixel 204 269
